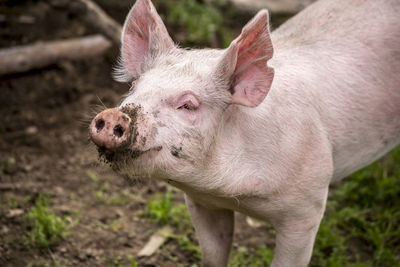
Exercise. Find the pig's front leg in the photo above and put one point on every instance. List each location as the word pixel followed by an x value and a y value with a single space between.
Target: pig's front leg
pixel 295 236
pixel 214 229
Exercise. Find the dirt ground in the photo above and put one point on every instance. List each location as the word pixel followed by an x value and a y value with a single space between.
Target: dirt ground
pixel 44 148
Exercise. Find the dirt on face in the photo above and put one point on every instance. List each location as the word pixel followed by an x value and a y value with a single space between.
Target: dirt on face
pixel 132 112
pixel 45 149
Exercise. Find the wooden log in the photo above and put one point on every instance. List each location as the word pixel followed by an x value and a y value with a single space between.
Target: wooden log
pixel 96 16
pixel 24 58
pixel 273 6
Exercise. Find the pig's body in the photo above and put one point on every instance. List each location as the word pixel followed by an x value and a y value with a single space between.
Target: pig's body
pixel 333 107
pixel 349 57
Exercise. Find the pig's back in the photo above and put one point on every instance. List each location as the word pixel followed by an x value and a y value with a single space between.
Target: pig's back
pixel 343 59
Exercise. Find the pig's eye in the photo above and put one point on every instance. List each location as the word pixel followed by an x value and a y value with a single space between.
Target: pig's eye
pixel 187 107
pixel 188 102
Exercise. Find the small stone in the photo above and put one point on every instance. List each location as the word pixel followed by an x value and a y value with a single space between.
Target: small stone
pixel 63 209
pixel 252 222
pixel 58 190
pixel 92 252
pixel 26 19
pixel 27 168
pixel 14 213
pixel 119 213
pixel 31 130
pixel 4 229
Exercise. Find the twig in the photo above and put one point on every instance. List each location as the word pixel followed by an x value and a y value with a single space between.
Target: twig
pixel 99 19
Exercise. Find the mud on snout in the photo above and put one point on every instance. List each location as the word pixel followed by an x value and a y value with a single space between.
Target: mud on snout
pixel 114 132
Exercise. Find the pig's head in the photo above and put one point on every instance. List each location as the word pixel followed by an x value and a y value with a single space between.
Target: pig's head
pixel 178 101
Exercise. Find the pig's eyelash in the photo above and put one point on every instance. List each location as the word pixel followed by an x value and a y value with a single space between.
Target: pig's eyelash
pixel 187 107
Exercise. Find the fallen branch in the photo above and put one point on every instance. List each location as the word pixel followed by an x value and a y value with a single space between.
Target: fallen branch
pixel 24 58
pixel 273 6
pixel 104 23
pixel 156 240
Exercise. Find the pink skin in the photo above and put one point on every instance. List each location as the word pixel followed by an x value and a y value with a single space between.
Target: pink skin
pixel 238 134
pixel 110 129
pixel 190 106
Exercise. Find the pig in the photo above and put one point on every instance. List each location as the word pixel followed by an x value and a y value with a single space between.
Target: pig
pixel 262 127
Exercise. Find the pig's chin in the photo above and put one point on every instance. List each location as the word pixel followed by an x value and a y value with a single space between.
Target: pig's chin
pixel 129 161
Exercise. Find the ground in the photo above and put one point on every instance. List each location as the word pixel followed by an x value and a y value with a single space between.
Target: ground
pixel 45 151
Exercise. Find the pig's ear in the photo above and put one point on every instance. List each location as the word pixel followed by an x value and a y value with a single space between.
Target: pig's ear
pixel 244 64
pixel 144 36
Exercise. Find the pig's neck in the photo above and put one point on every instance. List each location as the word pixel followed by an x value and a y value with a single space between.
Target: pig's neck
pixel 257 149
pixel 241 151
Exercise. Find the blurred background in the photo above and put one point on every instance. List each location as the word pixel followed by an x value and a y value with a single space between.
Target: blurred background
pixel 60 207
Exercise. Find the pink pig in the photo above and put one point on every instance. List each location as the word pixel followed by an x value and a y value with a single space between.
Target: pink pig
pixel 264 126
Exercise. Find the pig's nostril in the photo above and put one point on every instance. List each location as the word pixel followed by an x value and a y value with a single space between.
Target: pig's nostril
pixel 118 131
pixel 99 125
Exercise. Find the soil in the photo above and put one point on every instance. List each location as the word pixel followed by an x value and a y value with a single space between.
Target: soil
pixel 45 149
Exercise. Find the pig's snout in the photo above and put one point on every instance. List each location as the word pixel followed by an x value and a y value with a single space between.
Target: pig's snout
pixel 111 129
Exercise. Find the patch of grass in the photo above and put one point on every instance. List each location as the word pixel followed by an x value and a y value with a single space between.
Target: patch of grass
pixel 261 257
pixel 116 225
pixel 361 223
pixel 100 194
pixel 186 244
pixel 92 176
pixel 46 227
pixel 132 261
pixel 203 22
pixel 117 198
pixel 162 210
pixel 117 261
pixel 124 197
pixel 8 202
pixel 10 161
pixel 49 263
pixel 72 197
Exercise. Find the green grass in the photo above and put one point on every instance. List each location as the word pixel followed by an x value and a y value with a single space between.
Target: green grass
pixel 262 256
pixel 52 263
pixel 92 176
pixel 163 210
pixel 105 196
pixel 8 202
pixel 361 226
pixel 202 22
pixel 118 261
pixel 46 228
pixel 115 198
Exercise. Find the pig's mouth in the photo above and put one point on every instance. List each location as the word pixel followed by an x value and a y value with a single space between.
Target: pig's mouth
pixel 119 156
